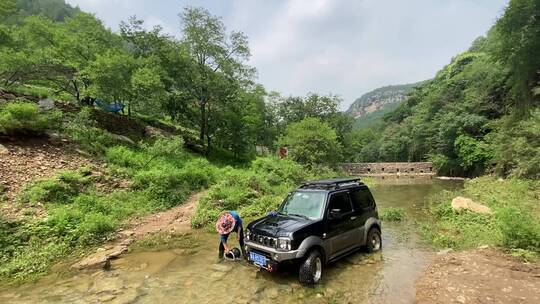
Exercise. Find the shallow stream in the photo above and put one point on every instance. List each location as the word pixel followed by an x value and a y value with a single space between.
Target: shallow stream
pixel 180 276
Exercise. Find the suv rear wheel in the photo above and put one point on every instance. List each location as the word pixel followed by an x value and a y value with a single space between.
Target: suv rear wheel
pixel 374 241
pixel 311 269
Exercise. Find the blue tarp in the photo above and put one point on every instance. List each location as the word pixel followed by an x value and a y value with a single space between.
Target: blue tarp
pixel 110 107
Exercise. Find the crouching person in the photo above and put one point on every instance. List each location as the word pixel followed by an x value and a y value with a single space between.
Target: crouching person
pixel 229 222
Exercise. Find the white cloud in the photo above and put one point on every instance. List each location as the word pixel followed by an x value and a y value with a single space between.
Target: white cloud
pixel 346 47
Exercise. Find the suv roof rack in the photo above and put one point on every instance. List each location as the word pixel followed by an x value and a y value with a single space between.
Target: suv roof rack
pixel 333 183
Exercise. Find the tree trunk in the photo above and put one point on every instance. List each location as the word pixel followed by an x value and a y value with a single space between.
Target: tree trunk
pixel 77 92
pixel 202 133
pixel 208 145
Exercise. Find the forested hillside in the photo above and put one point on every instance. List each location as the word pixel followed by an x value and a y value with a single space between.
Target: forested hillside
pixel 56 10
pixel 200 81
pixel 480 112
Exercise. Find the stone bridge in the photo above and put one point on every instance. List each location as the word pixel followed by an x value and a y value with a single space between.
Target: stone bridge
pixel 374 169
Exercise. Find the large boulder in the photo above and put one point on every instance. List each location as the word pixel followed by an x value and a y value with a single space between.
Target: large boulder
pixel 462 203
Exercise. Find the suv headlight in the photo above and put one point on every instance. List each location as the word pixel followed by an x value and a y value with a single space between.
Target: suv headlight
pixel 284 244
pixel 248 234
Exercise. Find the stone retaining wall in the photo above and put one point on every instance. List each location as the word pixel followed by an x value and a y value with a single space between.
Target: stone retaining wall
pixel 423 168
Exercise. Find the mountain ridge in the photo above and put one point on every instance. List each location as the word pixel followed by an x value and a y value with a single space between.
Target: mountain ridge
pixel 380 98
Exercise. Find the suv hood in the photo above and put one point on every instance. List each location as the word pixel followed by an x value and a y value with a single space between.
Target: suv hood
pixel 278 225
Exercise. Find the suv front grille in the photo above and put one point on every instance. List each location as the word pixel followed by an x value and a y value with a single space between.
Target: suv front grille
pixel 263 240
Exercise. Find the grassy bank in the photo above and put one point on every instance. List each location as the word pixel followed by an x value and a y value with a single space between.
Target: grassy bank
pixel 513 225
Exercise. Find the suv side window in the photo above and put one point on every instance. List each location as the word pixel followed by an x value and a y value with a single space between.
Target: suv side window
pixel 340 201
pixel 362 199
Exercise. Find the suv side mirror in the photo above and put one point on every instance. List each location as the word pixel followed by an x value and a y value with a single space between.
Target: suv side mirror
pixel 335 214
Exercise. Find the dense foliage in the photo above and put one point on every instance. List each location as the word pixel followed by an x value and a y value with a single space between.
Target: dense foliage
pixel 311 141
pixel 479 113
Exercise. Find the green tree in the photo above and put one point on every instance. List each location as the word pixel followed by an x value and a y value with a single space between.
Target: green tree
pixel 312 141
pixel 218 63
pixel 7 7
pixel 517 45
pixel 110 75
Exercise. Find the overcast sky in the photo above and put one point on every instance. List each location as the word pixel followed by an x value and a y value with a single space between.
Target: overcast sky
pixel 344 47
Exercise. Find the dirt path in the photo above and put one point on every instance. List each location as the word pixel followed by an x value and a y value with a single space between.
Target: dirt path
pixel 174 220
pixel 479 276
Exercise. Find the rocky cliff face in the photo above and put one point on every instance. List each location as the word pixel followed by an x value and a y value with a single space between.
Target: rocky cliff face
pixel 379 98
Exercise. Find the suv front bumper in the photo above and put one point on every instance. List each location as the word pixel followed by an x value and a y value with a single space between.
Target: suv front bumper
pixel 274 254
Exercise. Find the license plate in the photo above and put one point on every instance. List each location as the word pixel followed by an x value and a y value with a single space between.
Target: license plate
pixel 257 258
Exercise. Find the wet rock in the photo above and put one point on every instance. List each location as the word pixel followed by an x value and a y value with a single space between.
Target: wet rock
pixel 180 251
pixel 285 288
pixel 99 259
pixel 107 285
pixel 217 275
pixel 462 203
pixel 127 242
pixel 221 267
pixel 126 233
pixel 142 266
pixel 242 301
pixel 106 298
pixel 273 293
pixel 258 288
pixel 129 296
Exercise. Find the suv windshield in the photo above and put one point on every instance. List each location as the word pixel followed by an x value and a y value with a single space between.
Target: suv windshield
pixel 304 204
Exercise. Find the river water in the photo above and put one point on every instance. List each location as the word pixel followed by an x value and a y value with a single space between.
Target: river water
pixel 192 276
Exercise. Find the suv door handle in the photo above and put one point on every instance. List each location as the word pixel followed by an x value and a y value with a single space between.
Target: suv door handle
pixel 353 218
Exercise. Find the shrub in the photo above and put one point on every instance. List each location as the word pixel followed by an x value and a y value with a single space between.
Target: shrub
pixel 59 190
pixel 25 117
pixel 519 229
pixel 392 214
pixel 125 157
pixel 311 142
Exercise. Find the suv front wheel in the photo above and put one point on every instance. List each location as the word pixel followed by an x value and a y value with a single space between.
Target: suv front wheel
pixel 374 241
pixel 311 269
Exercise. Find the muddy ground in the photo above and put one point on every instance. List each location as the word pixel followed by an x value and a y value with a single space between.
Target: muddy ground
pixel 484 275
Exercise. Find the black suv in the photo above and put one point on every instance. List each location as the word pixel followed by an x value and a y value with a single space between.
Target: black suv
pixel 318 223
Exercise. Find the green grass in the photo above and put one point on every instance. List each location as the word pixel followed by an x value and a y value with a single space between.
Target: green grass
pixel 38 91
pixel 514 224
pixel 26 118
pixel 392 214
